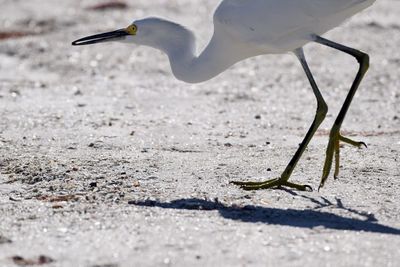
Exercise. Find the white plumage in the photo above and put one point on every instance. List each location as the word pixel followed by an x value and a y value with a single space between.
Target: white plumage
pixel 278 26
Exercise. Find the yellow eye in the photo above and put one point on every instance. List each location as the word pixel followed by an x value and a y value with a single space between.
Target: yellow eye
pixel 131 29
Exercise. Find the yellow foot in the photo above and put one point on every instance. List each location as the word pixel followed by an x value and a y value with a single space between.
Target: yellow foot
pixel 333 149
pixel 274 183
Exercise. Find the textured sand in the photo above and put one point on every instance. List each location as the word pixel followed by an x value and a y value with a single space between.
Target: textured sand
pixel 107 160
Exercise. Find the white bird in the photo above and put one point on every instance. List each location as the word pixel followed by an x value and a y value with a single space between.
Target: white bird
pixel 244 29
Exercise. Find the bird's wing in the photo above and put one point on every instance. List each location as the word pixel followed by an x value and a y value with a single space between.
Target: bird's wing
pixel 326 8
pixel 266 20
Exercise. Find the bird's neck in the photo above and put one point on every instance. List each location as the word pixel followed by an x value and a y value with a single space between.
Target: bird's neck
pixel 214 59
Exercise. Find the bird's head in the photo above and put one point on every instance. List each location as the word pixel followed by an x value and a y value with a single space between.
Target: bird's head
pixel 154 32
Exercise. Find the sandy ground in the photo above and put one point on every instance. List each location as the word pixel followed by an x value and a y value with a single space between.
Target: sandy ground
pixel 107 160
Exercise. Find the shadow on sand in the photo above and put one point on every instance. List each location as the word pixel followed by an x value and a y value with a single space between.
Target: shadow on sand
pixel 307 218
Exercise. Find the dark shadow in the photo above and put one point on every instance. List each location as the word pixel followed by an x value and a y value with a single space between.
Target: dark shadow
pixel 324 202
pixel 308 218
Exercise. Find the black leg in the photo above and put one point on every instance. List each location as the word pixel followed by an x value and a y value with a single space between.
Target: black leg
pixel 322 109
pixel 335 137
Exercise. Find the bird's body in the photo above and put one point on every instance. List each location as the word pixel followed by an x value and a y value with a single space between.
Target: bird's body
pixel 279 26
pixel 244 29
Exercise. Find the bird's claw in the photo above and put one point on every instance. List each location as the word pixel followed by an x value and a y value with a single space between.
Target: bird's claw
pixel 352 142
pixel 273 183
pixel 333 149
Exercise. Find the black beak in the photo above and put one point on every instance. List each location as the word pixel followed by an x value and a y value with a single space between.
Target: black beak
pixel 102 37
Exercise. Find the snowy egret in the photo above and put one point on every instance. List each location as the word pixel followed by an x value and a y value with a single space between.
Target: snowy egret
pixel 244 29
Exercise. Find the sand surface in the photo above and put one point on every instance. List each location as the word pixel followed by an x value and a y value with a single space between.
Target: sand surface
pixel 106 160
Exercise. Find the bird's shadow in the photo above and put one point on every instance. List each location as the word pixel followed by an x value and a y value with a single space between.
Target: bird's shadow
pixel 304 218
